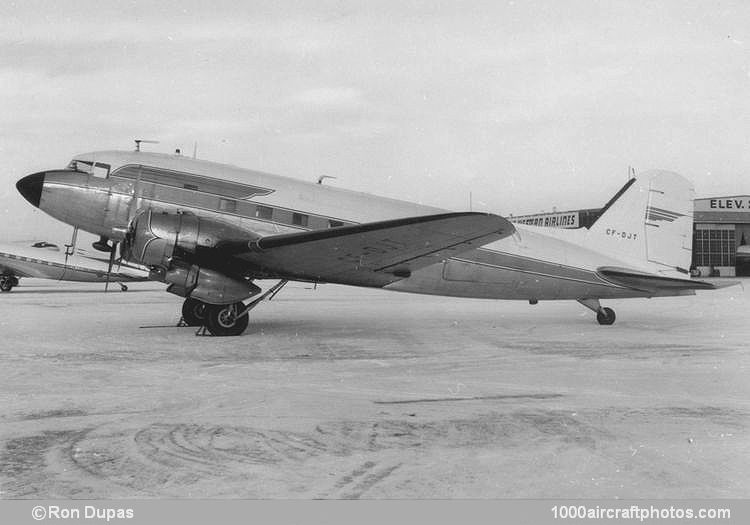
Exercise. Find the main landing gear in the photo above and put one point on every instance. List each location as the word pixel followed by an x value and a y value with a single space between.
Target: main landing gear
pixel 604 316
pixel 194 312
pixel 226 319
pixel 219 319
pixel 223 319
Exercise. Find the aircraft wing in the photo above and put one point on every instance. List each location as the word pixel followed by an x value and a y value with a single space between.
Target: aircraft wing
pixel 653 282
pixel 41 264
pixel 375 253
pixel 19 265
pixel 11 267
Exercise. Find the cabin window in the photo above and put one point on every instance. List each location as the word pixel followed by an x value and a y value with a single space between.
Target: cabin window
pixel 193 187
pixel 299 219
pixel 228 205
pixel 334 224
pixel 264 212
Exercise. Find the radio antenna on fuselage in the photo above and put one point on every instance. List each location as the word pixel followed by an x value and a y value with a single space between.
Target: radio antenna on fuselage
pixel 144 141
pixel 323 177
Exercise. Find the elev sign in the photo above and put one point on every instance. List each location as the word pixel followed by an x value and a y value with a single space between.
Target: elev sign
pixel 739 203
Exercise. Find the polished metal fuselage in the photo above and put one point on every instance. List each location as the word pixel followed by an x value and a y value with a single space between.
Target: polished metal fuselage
pixel 533 264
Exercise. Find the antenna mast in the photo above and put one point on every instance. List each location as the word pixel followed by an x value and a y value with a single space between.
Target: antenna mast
pixel 138 143
pixel 323 177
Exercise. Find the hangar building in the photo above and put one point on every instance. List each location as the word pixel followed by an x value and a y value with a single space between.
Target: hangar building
pixel 721 233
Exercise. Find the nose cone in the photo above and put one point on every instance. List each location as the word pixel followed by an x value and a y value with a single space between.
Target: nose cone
pixel 31 187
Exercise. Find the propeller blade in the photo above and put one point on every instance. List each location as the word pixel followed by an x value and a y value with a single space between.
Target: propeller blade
pixel 70 249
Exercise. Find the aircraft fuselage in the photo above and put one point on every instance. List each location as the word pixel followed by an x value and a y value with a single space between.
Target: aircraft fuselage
pixel 533 264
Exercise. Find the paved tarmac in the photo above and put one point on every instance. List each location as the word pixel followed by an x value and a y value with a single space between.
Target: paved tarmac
pixel 349 393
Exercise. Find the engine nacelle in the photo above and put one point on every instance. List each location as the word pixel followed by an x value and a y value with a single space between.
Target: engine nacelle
pixel 154 237
pixel 204 284
pixel 169 243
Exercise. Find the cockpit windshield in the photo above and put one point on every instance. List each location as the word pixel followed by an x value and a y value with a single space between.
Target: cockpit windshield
pixel 97 169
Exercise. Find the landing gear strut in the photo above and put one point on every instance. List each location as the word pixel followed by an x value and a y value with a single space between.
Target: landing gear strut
pixel 604 316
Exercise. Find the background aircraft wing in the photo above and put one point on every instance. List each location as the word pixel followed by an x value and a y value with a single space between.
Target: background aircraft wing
pixel 51 265
pixel 12 268
pixel 375 253
pixel 14 264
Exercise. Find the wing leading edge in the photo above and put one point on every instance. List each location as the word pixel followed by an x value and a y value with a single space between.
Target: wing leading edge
pixel 375 253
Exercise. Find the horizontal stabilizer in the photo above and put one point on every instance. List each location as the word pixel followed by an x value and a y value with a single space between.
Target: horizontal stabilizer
pixel 653 282
pixel 374 253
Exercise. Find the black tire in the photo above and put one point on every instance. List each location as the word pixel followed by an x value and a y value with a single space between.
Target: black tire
pixel 605 316
pixel 6 283
pixel 222 320
pixel 194 312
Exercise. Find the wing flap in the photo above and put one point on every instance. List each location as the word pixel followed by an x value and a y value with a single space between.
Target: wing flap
pixel 376 253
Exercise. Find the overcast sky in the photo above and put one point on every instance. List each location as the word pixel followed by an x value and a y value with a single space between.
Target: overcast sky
pixel 528 105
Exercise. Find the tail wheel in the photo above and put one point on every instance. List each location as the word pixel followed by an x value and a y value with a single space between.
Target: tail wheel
pixel 224 319
pixel 194 312
pixel 605 316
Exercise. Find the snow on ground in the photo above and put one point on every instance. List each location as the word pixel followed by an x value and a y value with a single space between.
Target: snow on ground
pixel 350 393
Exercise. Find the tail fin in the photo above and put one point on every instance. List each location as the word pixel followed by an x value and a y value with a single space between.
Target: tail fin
pixel 649 223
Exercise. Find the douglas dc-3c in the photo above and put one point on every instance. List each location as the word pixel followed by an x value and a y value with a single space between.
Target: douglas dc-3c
pixel 209 230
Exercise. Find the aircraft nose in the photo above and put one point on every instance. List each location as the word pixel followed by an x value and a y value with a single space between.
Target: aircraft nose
pixel 31 187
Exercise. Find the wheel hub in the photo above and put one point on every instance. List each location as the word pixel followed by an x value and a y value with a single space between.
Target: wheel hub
pixel 228 316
